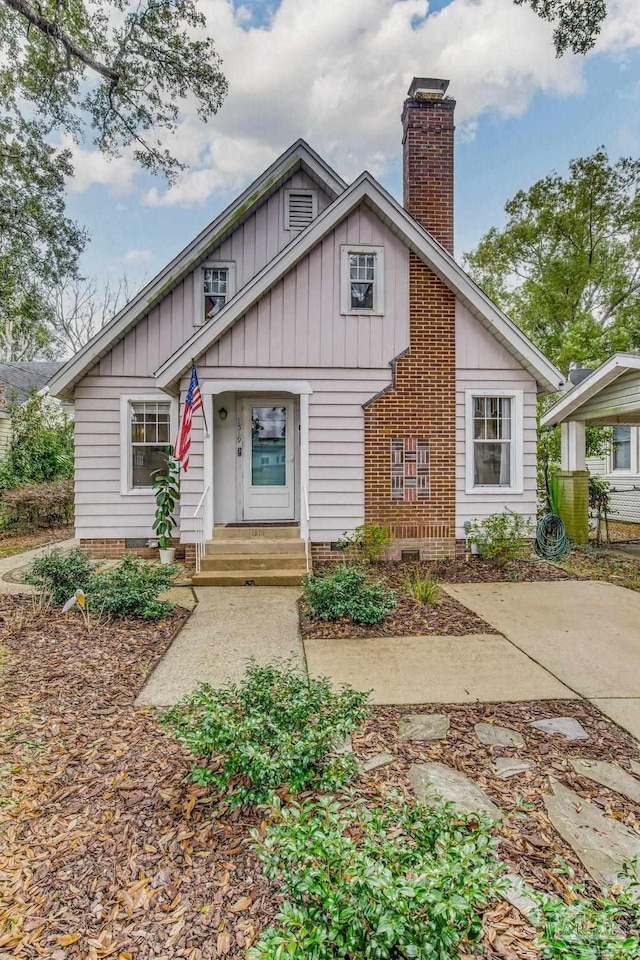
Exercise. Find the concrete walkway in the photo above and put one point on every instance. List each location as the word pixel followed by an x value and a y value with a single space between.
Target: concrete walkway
pixel 10 567
pixel 585 633
pixel 228 627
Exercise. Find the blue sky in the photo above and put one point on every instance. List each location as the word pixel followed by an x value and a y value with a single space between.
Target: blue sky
pixel 338 79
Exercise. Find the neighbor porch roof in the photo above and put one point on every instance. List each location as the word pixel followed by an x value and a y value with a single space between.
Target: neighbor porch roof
pixel 609 395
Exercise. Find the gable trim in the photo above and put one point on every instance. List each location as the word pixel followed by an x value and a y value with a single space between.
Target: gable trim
pixel 298 154
pixel 366 189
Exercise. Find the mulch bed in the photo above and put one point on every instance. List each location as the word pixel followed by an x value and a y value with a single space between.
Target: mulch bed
pixel 471 571
pixel 446 617
pixel 108 851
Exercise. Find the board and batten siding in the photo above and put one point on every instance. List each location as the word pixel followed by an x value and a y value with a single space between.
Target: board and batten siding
pixel 299 324
pixel 482 363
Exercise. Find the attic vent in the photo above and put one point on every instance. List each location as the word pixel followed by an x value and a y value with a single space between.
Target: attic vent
pixel 300 208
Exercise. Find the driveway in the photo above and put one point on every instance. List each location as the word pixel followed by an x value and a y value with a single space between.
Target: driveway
pixel 584 633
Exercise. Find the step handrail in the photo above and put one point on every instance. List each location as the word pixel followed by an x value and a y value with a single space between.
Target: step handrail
pixel 198 516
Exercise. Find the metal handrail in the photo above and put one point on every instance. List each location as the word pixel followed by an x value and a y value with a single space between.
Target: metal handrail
pixel 198 516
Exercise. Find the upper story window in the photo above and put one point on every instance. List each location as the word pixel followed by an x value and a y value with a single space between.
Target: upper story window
pixel 300 208
pixel 217 287
pixel 362 279
pixel 493 441
pixel 622 453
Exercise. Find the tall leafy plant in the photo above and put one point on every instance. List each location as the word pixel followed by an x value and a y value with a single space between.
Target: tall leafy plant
pixel 41 446
pixel 167 493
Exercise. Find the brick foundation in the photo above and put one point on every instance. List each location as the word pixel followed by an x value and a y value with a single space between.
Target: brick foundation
pixel 430 549
pixel 115 549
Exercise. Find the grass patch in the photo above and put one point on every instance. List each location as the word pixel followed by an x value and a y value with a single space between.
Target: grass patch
pixel 596 563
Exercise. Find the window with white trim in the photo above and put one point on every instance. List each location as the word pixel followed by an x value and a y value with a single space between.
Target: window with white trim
pixel 362 280
pixel 494 441
pixel 621 453
pixel 149 440
pixel 300 208
pixel 217 286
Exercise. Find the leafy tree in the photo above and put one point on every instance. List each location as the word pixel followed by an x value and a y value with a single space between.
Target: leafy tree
pixel 41 446
pixel 119 71
pixel 39 246
pixel 577 22
pixel 566 265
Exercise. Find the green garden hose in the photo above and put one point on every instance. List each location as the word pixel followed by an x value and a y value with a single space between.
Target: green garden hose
pixel 552 541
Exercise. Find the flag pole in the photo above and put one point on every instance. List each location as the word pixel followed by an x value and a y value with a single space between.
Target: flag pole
pixel 204 416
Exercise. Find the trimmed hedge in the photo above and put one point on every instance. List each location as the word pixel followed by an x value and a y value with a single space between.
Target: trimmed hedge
pixel 37 506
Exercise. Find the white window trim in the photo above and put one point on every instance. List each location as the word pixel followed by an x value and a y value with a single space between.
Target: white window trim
pixel 285 208
pixel 228 265
pixel 517 431
pixel 634 470
pixel 346 249
pixel 126 399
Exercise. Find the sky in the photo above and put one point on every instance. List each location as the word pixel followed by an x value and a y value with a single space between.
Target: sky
pixel 336 73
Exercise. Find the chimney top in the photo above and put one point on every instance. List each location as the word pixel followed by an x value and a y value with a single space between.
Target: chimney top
pixel 427 88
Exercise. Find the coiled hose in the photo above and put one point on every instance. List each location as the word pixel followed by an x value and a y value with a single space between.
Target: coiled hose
pixel 552 541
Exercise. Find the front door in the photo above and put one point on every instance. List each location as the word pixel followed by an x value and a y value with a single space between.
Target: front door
pixel 268 459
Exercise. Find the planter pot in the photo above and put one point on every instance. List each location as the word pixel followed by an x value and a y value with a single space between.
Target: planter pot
pixel 474 550
pixel 167 556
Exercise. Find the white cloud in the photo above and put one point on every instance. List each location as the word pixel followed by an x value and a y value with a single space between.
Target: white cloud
pixel 336 74
pixel 137 258
pixel 91 166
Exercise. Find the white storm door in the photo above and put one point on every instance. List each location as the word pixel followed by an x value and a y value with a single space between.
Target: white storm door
pixel 268 459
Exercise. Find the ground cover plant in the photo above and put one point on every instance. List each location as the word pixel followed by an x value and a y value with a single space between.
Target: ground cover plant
pixel 275 728
pixel 395 879
pixel 423 588
pixel 595 563
pixel 131 588
pixel 345 591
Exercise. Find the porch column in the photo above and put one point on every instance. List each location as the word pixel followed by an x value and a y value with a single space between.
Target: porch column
pixel 573 480
pixel 304 466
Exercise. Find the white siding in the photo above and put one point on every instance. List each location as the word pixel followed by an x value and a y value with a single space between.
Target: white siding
pixel 619 402
pixel 483 364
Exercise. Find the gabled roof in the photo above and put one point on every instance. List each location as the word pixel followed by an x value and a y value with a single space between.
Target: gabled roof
pixel 20 377
pixel 366 190
pixel 298 156
pixel 568 406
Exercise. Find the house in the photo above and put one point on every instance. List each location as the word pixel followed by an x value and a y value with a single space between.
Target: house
pixel 608 396
pixel 351 371
pixel 17 380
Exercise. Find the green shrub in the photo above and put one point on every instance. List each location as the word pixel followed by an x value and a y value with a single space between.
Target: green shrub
pixel 41 445
pixel 58 575
pixel 403 880
pixel 502 537
pixel 423 589
pixel 38 506
pixel 274 727
pixel 369 540
pixel 345 592
pixel 604 929
pixel 131 589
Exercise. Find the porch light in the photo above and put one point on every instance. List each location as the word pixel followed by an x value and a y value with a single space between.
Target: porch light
pixel 222 413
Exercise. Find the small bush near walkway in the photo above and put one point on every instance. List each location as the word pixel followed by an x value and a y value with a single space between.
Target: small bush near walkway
pixel 131 588
pixel 502 537
pixel 396 880
pixel 273 728
pixel 345 592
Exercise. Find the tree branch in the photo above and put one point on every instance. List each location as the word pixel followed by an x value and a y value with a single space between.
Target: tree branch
pixel 51 29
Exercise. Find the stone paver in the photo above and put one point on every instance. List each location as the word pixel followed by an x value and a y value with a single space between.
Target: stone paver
pixel 430 780
pixel 635 767
pixel 229 626
pixel 376 761
pixel 507 767
pixel 601 843
pixel 609 775
pixel 493 735
pixel 406 670
pixel 567 727
pixel 423 726
pixel 345 746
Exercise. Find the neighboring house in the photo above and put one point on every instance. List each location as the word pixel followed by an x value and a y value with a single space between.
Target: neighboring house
pixel 608 396
pixel 17 380
pixel 351 370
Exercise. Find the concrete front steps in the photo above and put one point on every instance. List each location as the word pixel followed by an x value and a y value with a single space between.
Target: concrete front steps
pixel 263 556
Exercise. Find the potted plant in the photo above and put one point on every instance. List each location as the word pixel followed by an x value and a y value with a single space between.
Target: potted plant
pixel 167 493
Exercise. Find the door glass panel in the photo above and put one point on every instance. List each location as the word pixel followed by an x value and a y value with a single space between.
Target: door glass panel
pixel 268 446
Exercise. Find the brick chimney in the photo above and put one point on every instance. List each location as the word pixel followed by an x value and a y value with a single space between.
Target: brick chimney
pixel 427 163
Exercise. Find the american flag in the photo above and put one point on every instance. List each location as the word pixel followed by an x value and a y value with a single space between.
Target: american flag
pixel 192 402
